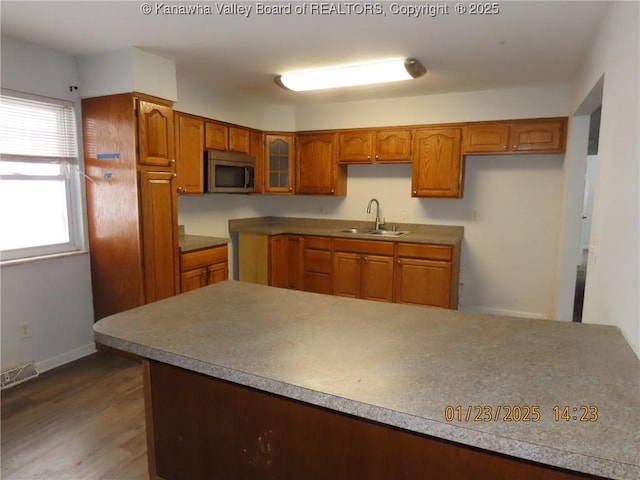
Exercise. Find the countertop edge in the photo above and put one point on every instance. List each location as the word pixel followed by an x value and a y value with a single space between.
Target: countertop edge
pixel 439 430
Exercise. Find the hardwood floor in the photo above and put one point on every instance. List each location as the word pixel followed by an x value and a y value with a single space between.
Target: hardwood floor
pixel 81 421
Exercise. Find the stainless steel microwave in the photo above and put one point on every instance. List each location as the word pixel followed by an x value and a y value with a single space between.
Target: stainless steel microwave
pixel 229 172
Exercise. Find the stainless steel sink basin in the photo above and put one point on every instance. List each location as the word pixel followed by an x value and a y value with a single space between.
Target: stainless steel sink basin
pixel 366 231
pixel 354 230
pixel 388 233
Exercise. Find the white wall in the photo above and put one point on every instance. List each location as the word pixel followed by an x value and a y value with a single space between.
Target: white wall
pixel 511 247
pixel 613 285
pixel 53 295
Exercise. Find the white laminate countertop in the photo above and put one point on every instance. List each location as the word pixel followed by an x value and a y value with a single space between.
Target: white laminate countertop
pixel 405 365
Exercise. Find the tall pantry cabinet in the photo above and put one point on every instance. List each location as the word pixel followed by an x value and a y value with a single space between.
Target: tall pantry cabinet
pixel 131 200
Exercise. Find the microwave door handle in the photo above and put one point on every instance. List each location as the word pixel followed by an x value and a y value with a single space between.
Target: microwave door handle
pixel 246 177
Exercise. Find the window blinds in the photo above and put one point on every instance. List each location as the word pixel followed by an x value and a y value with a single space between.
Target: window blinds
pixel 37 131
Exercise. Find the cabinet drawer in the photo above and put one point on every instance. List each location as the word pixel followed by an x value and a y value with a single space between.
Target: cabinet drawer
pixel 318 261
pixel 204 257
pixel 363 246
pixel 319 243
pixel 433 252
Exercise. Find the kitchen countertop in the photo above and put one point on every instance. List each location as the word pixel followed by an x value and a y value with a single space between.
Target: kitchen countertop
pixel 403 365
pixel 189 243
pixel 418 233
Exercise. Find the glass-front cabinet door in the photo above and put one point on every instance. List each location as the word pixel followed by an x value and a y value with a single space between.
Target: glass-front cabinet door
pixel 279 163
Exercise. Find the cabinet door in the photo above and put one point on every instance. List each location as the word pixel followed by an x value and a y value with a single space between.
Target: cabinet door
pixel 189 154
pixel 538 136
pixel 355 147
pixel 256 149
pixel 239 140
pixel 218 272
pixel 437 163
pixel 346 274
pixel 159 234
pixel 486 138
pixel 393 146
pixel 423 282
pixel 279 163
pixel 294 250
pixel 277 261
pixel 315 164
pixel 377 278
pixel 155 134
pixel 192 279
pixel 216 136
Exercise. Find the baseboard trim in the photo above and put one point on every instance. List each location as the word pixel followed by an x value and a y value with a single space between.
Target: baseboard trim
pixel 66 357
pixel 505 313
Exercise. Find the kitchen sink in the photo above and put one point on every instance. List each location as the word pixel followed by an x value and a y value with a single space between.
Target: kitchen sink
pixel 388 233
pixel 366 231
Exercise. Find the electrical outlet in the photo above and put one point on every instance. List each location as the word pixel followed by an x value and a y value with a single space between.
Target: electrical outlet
pixel 25 330
pixel 404 217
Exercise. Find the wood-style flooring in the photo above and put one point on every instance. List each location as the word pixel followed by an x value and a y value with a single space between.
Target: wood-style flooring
pixel 81 421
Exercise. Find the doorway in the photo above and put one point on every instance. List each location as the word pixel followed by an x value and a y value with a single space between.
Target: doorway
pixel 587 207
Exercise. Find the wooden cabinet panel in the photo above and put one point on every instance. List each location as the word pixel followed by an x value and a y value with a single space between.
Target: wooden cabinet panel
pixel 538 136
pixel 355 147
pixel 256 149
pixel 316 168
pixel 346 269
pixel 203 267
pixel 155 134
pixel 253 254
pixel 239 140
pixel 159 234
pixel 426 251
pixel 216 136
pixel 393 146
pixel 279 150
pixel 201 258
pixel 318 266
pixel 286 259
pixel 189 140
pixel 516 136
pixel 193 279
pixel 377 278
pixel 361 270
pixel 368 146
pixel 423 282
pixel 437 163
pixel 277 261
pixel 486 138
pixel 295 254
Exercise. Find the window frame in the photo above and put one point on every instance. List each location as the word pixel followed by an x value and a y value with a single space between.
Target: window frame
pixel 71 175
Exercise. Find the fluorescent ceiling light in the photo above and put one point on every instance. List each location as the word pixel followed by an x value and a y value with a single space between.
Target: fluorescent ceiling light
pixel 350 75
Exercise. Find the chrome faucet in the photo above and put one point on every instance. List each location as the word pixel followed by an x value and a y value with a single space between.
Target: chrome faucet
pixel 379 223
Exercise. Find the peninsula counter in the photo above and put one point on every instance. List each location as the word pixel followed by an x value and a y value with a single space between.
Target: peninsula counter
pixel 249 381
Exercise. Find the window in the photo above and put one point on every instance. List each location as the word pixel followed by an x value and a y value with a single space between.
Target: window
pixel 39 180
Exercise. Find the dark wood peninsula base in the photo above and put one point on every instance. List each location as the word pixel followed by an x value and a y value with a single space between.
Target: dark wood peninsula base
pixel 200 427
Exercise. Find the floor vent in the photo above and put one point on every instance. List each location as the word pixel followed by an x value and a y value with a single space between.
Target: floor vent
pixel 18 375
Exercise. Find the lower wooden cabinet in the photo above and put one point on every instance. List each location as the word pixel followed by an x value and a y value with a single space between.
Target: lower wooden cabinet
pixel 317 265
pixel 412 273
pixel 203 267
pixel 363 269
pixel 427 275
pixel 285 263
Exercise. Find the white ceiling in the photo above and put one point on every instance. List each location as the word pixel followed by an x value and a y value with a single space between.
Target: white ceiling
pixel 527 43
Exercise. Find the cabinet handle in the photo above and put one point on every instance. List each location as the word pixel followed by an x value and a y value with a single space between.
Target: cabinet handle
pixel 175 175
pixel 368 157
pixel 180 190
pixel 415 192
pixel 172 161
pixel 504 147
pixel 377 157
pixel 366 259
pixel 204 272
pixel 515 147
pixel 291 189
pixel 333 191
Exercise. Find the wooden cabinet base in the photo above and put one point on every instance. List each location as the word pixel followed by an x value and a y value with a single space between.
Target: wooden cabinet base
pixel 199 427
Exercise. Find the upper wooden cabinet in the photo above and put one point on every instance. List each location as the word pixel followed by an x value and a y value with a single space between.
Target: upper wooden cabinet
pixel 155 133
pixel 316 169
pixel 368 146
pixel 189 154
pixel 219 136
pixel 521 136
pixel 437 163
pixel 278 163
